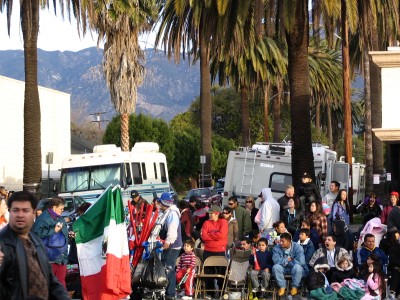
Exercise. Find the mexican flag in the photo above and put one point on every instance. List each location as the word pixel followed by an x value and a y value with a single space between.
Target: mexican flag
pixel 102 246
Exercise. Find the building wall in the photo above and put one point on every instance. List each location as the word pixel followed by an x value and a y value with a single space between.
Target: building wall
pixel 390 97
pixel 55 131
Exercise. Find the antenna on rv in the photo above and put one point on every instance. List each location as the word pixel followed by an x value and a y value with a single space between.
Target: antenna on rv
pixel 98 118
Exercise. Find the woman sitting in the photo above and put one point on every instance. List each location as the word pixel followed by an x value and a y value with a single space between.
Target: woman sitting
pixel 371 206
pixel 318 220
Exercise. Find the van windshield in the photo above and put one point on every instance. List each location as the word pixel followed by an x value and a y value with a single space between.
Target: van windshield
pixel 90 178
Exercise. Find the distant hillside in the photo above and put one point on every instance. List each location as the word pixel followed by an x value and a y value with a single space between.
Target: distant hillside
pixel 167 90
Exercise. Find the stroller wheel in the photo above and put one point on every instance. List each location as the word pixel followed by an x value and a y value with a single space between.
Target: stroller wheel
pixel 226 296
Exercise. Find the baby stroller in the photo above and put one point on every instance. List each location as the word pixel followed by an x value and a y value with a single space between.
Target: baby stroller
pixel 236 285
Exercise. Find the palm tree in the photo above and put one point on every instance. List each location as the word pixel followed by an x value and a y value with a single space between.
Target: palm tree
pixel 296 30
pixel 120 23
pixel 29 16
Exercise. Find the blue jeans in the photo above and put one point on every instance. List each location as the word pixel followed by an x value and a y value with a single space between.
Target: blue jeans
pixel 279 271
pixel 168 257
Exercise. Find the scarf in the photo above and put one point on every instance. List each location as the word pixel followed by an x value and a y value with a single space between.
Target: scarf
pixel 53 214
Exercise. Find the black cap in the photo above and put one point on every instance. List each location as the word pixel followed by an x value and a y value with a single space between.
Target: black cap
pixel 134 194
pixel 306 175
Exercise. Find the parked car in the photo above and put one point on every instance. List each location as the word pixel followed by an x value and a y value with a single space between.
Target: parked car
pixel 71 205
pixel 219 186
pixel 206 195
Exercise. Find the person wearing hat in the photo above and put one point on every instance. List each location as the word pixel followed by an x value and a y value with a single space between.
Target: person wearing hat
pixel 317 281
pixel 214 234
pixel 137 201
pixel 394 199
pixel 308 191
pixel 171 234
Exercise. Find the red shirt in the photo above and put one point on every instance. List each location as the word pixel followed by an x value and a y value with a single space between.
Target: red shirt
pixel 215 235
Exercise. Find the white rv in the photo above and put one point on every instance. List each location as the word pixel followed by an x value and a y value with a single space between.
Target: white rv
pixel 249 170
pixel 143 169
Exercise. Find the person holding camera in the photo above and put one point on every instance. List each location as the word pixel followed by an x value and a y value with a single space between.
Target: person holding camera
pixel 51 227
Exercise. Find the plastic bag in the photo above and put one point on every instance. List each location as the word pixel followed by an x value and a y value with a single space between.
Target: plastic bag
pixel 154 273
pixel 55 244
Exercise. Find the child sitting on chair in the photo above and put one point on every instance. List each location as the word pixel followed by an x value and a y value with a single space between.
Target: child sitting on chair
pixel 186 268
pixel 261 261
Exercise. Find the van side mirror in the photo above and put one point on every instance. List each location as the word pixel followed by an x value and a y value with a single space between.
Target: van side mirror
pixel 129 180
pixel 323 176
pixel 55 188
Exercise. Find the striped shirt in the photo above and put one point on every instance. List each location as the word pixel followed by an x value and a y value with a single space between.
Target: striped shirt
pixel 187 260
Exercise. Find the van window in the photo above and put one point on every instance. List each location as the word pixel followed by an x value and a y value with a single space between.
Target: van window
pixel 144 171
pixel 136 173
pixel 163 173
pixel 155 171
pixel 279 181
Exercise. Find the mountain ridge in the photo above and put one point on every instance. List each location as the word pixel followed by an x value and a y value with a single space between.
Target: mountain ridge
pixel 167 89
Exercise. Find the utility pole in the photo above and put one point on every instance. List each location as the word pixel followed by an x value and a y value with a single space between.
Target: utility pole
pixel 98 118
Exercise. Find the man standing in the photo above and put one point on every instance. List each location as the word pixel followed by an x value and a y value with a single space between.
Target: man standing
pixel 330 197
pixel 171 233
pixel 241 215
pixel 289 194
pixel 288 259
pixel 268 212
pixel 332 252
pixel 25 271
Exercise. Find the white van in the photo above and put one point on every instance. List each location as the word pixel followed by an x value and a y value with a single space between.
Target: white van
pixel 143 169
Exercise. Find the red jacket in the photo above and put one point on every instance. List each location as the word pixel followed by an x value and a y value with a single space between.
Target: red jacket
pixel 215 235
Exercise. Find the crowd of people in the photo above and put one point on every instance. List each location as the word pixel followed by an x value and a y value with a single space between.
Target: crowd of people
pixel 300 234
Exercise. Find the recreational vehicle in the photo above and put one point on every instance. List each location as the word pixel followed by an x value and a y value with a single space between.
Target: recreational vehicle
pixel 143 169
pixel 249 170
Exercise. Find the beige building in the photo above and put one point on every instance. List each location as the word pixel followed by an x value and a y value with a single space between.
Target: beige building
pixel 389 65
pixel 55 131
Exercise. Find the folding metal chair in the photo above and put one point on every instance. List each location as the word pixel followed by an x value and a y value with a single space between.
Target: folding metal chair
pixel 212 261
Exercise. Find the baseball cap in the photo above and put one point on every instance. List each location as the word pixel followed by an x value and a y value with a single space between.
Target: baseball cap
pixel 215 209
pixel 134 194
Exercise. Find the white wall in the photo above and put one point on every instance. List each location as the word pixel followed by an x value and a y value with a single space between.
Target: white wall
pixel 55 130
pixel 390 97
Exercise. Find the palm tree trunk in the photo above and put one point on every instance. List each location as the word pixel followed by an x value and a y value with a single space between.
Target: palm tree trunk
pixel 329 126
pixel 266 113
pixel 368 128
pixel 32 177
pixel 348 129
pixel 299 82
pixel 276 105
pixel 205 108
pixel 318 115
pixel 125 132
pixel 245 116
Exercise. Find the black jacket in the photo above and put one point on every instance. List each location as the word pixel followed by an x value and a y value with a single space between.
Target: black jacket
pixel 339 274
pixel 13 275
pixel 294 223
pixel 309 189
pixel 315 278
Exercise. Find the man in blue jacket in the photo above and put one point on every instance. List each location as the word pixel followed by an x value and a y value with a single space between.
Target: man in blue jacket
pixel 368 248
pixel 288 258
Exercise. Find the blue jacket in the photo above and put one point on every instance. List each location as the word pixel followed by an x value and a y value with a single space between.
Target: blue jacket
pixel 296 252
pixel 313 236
pixel 264 260
pixel 309 250
pixel 44 228
pixel 363 254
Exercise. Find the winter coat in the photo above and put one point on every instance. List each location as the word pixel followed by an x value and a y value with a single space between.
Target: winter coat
pixel 342 234
pixel 339 252
pixel 308 190
pixel 315 278
pixel 308 248
pixel 13 276
pixel 375 227
pixel 364 252
pixel 244 222
pixel 233 232
pixel 186 224
pixel 385 213
pixel 339 274
pixel 44 227
pixel 268 212
pixel 294 223
pixel 375 210
pixel 394 218
pixel 315 239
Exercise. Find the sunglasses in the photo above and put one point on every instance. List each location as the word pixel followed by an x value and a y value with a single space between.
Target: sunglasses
pixel 249 201
pixel 226 213
pixel 231 203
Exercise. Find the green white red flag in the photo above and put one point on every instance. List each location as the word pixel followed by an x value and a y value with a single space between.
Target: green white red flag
pixel 102 246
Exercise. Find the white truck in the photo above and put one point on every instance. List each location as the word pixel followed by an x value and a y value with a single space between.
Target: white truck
pixel 143 169
pixel 249 170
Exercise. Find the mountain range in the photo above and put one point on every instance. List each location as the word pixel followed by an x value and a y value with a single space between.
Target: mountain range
pixel 167 89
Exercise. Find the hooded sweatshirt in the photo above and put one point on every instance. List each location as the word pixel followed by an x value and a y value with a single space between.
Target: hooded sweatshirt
pixel 269 210
pixel 339 274
pixel 317 279
pixel 215 235
pixel 171 225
